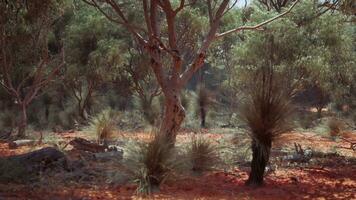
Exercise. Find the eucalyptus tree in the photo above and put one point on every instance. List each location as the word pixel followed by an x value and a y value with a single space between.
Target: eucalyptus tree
pixel 94 55
pixel 157 29
pixel 27 64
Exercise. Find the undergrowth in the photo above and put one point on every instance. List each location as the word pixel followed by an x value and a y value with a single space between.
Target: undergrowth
pixel 150 163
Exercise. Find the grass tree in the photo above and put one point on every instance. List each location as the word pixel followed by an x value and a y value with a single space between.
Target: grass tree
pixel 266 111
pixel 158 29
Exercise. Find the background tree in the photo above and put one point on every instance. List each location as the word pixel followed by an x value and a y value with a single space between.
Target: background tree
pixel 160 37
pixel 94 56
pixel 142 82
pixel 27 64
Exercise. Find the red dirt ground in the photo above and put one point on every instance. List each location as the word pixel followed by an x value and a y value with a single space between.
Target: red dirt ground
pixel 337 181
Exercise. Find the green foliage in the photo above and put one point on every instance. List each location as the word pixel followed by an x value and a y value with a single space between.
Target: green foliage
pixel 96 53
pixel 27 28
pixel 103 125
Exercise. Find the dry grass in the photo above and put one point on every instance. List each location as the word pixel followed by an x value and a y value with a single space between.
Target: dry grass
pixel 150 163
pixel 267 110
pixel 103 125
pixel 203 154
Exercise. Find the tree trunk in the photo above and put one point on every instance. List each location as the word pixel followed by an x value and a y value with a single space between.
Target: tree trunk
pixel 23 122
pixel 82 112
pixel 173 116
pixel 202 116
pixel 260 157
pixel 319 112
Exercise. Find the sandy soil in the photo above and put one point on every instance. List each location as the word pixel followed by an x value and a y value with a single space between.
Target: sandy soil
pixel 336 179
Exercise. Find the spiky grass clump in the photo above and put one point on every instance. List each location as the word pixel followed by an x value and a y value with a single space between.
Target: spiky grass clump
pixel 203 154
pixel 103 125
pixel 267 112
pixel 150 163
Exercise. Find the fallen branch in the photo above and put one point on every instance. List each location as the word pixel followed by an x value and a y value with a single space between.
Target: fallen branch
pixel 85 145
pixel 40 159
pixel 17 143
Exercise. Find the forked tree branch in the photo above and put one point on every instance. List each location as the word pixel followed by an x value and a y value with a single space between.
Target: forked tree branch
pixel 257 26
pixel 211 36
pixel 154 45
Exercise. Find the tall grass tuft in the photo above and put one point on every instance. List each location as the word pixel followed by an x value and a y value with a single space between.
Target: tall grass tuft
pixel 203 154
pixel 150 163
pixel 103 125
